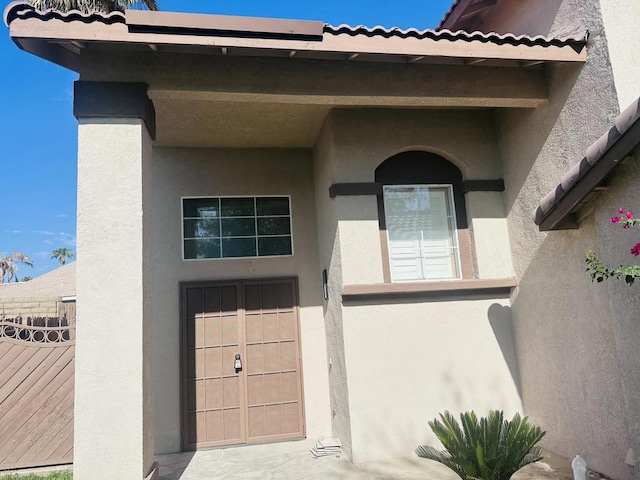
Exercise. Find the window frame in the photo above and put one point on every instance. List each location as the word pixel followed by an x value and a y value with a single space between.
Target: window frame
pixel 453 229
pixel 196 197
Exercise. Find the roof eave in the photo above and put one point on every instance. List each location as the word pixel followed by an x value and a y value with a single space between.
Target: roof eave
pixel 62 42
pixel 557 210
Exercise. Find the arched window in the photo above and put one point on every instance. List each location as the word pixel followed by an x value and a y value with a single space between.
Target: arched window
pixel 423 219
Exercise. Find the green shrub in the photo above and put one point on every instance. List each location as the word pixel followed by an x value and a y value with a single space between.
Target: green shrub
pixel 488 449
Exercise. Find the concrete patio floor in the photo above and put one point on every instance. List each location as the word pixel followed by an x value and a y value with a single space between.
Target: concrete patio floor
pixel 292 461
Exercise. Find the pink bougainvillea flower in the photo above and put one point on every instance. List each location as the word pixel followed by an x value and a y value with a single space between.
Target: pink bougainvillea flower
pixel 626 225
pixel 615 219
pixel 621 210
pixel 636 250
pixel 629 215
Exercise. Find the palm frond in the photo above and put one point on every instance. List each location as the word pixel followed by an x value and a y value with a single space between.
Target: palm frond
pixel 490 448
pixel 9 265
pixel 443 457
pixel 90 6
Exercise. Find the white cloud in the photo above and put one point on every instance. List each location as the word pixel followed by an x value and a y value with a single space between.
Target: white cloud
pixel 48 242
pixel 62 215
pixel 16 232
pixel 42 255
pixel 67 239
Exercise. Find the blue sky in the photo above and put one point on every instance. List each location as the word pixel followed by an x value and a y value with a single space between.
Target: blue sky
pixel 38 131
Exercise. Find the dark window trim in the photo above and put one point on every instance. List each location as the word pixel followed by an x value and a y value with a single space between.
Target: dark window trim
pixel 375 188
pixel 440 173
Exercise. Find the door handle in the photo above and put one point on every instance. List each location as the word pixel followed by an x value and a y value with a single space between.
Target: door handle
pixel 237 364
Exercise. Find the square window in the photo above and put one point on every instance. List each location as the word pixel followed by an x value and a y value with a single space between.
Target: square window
pixel 201 228
pixel 202 248
pixel 421 229
pixel 238 207
pixel 238 247
pixel 274 226
pixel 236 227
pixel 201 207
pixel 267 206
pixel 271 246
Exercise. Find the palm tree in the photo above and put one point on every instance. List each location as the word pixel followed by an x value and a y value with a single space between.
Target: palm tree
pixel 489 449
pixel 90 6
pixel 62 254
pixel 9 265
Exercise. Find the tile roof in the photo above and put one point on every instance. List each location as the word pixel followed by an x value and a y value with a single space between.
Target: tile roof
pixel 25 11
pixel 21 10
pixel 56 283
pixel 599 161
pixel 577 42
pixel 448 13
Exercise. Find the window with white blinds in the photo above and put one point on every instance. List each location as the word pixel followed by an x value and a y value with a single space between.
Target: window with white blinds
pixel 421 229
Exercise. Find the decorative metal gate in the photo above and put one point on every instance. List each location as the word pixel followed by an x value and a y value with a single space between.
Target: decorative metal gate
pixel 36 392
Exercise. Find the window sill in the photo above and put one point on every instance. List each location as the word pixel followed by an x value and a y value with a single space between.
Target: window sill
pixel 435 291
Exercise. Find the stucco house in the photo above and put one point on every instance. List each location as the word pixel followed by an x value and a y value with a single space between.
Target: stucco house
pixel 330 229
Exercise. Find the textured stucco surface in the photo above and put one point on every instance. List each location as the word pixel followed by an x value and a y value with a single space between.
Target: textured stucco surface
pixel 391 365
pixel 567 333
pixel 330 257
pixel 407 362
pixel 490 234
pixel 112 427
pixel 204 172
pixel 621 19
pixel 235 102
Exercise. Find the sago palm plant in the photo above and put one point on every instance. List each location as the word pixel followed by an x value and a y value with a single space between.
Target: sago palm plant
pixel 487 449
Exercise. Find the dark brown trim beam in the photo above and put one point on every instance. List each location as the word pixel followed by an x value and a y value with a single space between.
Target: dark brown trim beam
pixel 375 188
pixel 438 291
pixel 222 25
pixel 114 100
pixel 483 185
pixel 372 188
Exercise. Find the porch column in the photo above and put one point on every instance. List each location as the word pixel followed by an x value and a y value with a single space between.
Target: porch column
pixel 113 430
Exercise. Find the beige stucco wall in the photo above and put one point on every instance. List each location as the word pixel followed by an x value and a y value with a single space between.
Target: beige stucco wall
pixel 329 254
pixel 112 427
pixel 206 172
pixel 573 341
pixel 621 19
pixel 394 365
pixel 409 361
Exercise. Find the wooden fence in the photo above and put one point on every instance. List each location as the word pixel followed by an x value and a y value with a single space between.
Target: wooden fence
pixel 36 392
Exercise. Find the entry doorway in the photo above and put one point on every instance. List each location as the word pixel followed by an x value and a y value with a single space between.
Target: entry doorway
pixel 241 369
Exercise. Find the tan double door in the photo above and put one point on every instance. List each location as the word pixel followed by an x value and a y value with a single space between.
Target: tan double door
pixel 252 325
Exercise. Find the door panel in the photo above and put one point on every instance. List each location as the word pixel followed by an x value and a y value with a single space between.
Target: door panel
pixel 274 390
pixel 214 394
pixel 263 401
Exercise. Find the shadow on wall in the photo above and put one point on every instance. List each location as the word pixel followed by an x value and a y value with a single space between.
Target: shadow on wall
pixel 525 135
pixel 566 347
pixel 501 322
